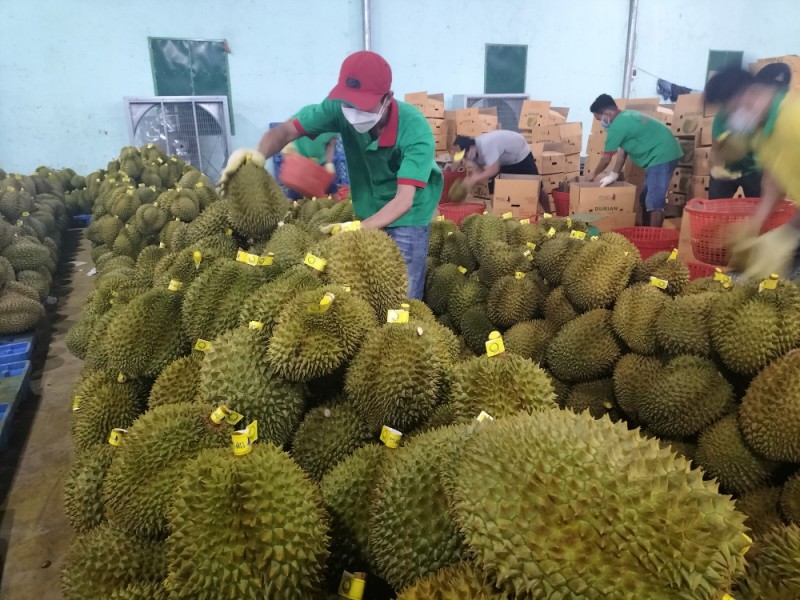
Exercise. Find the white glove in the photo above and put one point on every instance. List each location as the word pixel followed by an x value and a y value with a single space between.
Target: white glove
pixel 719 172
pixel 609 179
pixel 330 167
pixel 335 228
pixel 237 159
pixel 760 256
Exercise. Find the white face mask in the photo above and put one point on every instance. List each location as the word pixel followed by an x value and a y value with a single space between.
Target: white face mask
pixel 361 120
pixel 742 121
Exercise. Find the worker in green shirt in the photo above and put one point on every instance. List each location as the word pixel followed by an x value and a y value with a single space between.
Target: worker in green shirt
pixel 650 145
pixel 728 176
pixel 319 149
pixel 389 147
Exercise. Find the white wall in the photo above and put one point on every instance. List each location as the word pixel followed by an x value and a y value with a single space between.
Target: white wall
pixel 65 66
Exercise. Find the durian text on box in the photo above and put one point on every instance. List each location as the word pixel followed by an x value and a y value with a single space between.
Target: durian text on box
pixel 615 204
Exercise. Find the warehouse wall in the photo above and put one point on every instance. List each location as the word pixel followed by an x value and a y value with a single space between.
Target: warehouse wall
pixel 64 69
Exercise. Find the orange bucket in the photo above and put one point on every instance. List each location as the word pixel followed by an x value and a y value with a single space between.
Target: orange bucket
pixel 305 176
pixel 561 200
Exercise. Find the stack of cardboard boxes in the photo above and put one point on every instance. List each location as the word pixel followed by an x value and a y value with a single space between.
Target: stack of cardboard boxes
pixel 793 61
pixel 432 108
pixel 692 127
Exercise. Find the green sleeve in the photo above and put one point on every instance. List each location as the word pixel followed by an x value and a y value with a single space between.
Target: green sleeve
pixel 719 125
pixel 325 117
pixel 417 158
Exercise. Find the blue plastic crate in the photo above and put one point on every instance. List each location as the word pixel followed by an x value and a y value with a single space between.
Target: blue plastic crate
pixel 29 337
pixel 14 352
pixel 15 381
pixel 81 220
pixel 6 414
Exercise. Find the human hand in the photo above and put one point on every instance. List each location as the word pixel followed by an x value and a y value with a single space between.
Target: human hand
pixel 334 228
pixel 609 179
pixel 237 159
pixel 759 256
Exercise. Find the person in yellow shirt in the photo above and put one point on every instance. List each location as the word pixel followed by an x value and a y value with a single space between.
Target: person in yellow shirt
pixel 767 120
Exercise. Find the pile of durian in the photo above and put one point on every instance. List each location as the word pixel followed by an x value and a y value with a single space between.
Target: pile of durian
pixel 33 218
pixel 594 458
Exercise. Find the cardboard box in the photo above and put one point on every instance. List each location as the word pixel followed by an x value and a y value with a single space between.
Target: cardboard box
pixel 674 204
pixel 689 104
pixel 430 105
pixel 551 133
pixel 440 141
pixel 702 162
pixel 681 180
pixel 687 146
pixel 572 162
pixel 705 137
pixel 552 181
pixel 517 194
pixel 595 144
pixel 551 162
pixel 687 125
pixel 437 125
pixel 615 204
pixel 531 112
pixel 528 135
pixel 700 187
pixel 572 137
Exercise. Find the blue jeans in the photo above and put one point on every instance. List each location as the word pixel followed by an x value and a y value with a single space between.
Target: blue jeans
pixel 413 244
pixel 656 185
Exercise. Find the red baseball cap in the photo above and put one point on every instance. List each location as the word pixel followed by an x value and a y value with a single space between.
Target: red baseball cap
pixel 365 78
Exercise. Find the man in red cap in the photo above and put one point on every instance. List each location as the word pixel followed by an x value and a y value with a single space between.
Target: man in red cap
pixel 394 181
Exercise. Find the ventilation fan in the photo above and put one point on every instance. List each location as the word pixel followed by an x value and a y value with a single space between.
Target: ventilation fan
pixel 508 106
pixel 194 128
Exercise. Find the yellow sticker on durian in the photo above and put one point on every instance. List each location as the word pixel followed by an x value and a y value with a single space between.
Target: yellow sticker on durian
pixel 352 585
pixel 390 437
pixel 322 306
pixel 659 283
pixel 519 275
pixel 174 285
pixel 462 270
pixel 551 232
pixel 315 262
pixel 203 345
pixel 116 435
pixel 257 325
pixel 524 221
pixel 577 235
pixel 673 255
pixel 770 283
pixel 494 345
pixel 507 215
pixel 397 315
pixel 484 416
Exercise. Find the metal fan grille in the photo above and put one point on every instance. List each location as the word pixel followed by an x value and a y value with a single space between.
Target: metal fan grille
pixel 194 128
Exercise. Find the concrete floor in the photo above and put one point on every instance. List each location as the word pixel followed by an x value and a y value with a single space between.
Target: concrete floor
pixel 34 534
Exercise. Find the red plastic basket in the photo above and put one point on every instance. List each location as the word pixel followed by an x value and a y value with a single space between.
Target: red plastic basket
pixel 650 240
pixel 561 200
pixel 450 178
pixel 458 211
pixel 343 193
pixel 709 221
pixel 305 176
pixel 699 270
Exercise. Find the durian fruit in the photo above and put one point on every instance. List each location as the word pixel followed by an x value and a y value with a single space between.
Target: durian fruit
pixel 27 255
pixel 289 245
pixel 150 219
pixel 370 263
pixel 530 339
pixel 684 326
pixel 790 499
pixel 723 455
pixel 106 559
pixel 557 309
pixel 39 280
pixel 661 266
pixel 525 233
pixel 751 328
pixel 347 490
pixel 83 487
pixel 593 489
pixel 310 341
pixel 482 232
pixel 769 416
pixel 213 220
pixel 774 572
pixel 455 250
pixel 412 490
pixel 501 386
pixel 596 397
pixel 399 375
pixel 553 256
pixel 761 507
pixel 104 404
pixel 235 372
pixel 186 206
pixel 255 201
pixel 462 298
pixel 265 303
pixel 443 281
pixel 77 339
pixel 146 335
pixel 457 582
pixel 514 298
pixel 500 260
pixel 327 435
pixel 597 275
pixel 475 328
pixel 178 382
pixel 635 314
pixel 688 396
pixel 20 311
pixel 439 230
pixel 585 348
pixel 153 590
pixel 633 376
pixel 149 463
pixel 258 532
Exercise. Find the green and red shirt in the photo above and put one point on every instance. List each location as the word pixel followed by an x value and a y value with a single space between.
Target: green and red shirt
pixel 646 140
pixel 402 154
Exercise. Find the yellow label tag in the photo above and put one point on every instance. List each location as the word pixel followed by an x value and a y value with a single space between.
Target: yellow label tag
pixel 121 378
pixel 346 288
pixel 659 283
pixel 174 285
pixel 242 444
pixel 352 586
pixel 25 213
pixel 528 254
pixel 76 403
pixel 233 417
pixel 219 414
pixel 770 283
pixel 721 277
pixel 396 315
pixel 494 345
pixel 484 416
pixel 203 345
pixel 594 238
pixel 390 437
pixel 462 270
pixel 265 261
pixel 247 258
pixel 547 216
pixel 258 325
pixel 507 215
pixel 116 435
pixel 577 235
pixel 197 257
pixel 673 255
pixel 19 223
pixel 199 184
pixel 173 159
pixel 551 232
pixel 607 405
pixel 322 306
pixel 531 245
pixel 450 233
pixel 229 231
pixel 519 275
pixel 727 597
pixel 440 218
pixel 524 221
pixel 315 262
pixel 569 222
